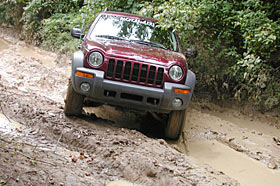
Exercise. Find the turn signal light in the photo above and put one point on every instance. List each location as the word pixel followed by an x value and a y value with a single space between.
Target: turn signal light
pixel 181 91
pixel 83 74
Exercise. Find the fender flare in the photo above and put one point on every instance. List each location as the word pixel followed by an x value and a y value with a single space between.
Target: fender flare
pixel 190 81
pixel 77 61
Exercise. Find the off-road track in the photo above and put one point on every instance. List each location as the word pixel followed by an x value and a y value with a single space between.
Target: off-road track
pixel 109 146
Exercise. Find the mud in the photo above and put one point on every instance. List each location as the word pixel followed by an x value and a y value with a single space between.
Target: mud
pixel 238 166
pixel 3 45
pixel 111 146
pixel 240 144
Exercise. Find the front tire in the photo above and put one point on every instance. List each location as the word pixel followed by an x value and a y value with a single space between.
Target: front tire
pixel 74 102
pixel 175 124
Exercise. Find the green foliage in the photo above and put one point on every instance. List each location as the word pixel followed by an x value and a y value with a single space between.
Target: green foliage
pixel 55 33
pixel 11 12
pixel 238 44
pixel 91 8
pixel 38 10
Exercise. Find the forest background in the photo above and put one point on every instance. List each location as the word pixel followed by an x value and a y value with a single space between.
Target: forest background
pixel 238 41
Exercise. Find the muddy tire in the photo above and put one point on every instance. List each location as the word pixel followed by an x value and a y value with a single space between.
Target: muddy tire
pixel 74 102
pixel 175 124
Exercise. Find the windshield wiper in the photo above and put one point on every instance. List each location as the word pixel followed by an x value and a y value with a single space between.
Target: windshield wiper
pixel 149 43
pixel 111 37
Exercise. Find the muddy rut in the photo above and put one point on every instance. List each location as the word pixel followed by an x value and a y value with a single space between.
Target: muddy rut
pixel 110 146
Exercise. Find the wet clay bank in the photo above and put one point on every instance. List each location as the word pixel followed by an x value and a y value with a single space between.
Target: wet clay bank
pixel 39 145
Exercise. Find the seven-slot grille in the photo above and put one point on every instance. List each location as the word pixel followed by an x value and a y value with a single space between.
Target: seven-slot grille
pixel 135 72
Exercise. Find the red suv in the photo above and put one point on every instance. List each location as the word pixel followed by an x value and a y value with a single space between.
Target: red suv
pixel 127 60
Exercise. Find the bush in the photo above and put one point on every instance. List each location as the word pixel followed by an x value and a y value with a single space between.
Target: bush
pixel 11 12
pixel 37 10
pixel 238 44
pixel 55 33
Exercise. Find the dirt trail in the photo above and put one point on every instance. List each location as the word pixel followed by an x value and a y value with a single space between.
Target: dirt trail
pixel 219 146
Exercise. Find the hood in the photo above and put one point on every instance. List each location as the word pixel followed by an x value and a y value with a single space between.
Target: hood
pixel 136 51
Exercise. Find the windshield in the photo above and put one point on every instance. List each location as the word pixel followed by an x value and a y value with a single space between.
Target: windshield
pixel 133 30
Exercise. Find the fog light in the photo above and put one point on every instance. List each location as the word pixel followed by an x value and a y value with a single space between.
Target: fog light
pixel 177 102
pixel 85 87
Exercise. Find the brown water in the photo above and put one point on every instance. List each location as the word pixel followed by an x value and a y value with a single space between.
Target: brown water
pixel 45 57
pixel 203 142
pixel 260 123
pixel 3 45
pixel 47 65
pixel 246 171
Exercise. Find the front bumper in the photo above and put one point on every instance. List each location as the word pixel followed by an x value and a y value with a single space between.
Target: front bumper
pixel 130 95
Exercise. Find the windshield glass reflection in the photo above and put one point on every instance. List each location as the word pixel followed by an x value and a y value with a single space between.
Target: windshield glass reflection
pixel 133 30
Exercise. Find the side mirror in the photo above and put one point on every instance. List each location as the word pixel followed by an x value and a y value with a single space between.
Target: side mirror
pixel 191 53
pixel 77 33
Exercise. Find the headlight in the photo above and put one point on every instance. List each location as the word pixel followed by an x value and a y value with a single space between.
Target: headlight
pixel 176 72
pixel 85 87
pixel 95 59
pixel 177 102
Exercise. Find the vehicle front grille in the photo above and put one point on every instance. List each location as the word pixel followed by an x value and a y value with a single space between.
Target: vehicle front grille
pixel 134 72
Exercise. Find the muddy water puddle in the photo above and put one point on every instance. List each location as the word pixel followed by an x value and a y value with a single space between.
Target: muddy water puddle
pixel 252 133
pixel 3 45
pixel 245 170
pixel 42 56
pixel 47 58
pixel 265 124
